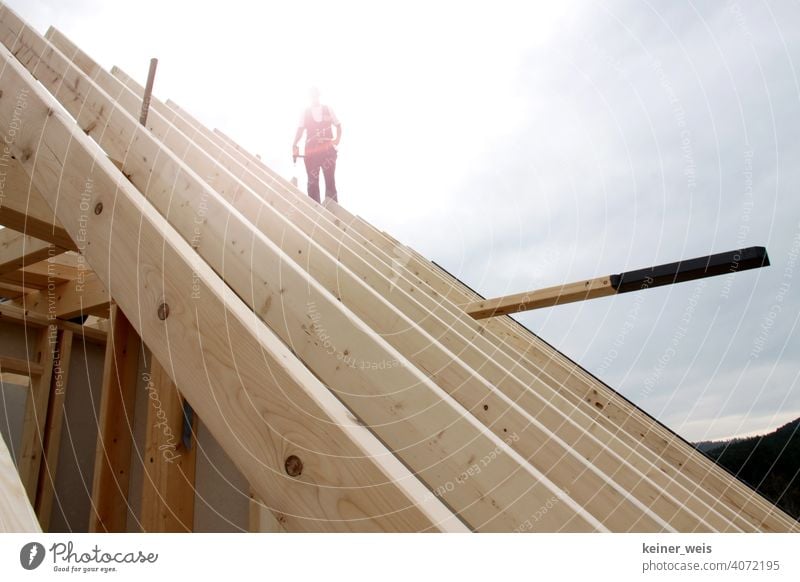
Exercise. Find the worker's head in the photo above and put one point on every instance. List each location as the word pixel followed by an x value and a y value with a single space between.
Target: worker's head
pixel 313 95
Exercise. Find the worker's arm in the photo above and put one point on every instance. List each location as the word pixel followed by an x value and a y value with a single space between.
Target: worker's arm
pixel 338 127
pixel 297 136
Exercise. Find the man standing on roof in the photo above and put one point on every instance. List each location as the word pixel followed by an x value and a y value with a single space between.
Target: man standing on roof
pixel 320 154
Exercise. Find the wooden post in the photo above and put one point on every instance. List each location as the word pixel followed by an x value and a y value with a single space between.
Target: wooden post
pixel 115 424
pixel 168 485
pixel 53 426
pixel 33 428
pixel 264 387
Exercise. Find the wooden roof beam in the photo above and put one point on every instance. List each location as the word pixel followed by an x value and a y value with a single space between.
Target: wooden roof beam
pixel 348 480
pixel 678 272
pixel 18 250
pixel 492 501
pixel 23 209
pixel 83 296
pixel 19 315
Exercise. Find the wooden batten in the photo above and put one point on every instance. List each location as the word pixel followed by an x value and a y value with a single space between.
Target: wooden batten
pixel 53 428
pixel 168 484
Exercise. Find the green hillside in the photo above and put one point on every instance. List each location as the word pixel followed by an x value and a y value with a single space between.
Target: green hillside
pixel 769 463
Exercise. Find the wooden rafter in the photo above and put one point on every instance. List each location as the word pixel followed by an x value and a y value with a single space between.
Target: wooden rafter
pixel 534 401
pixel 425 410
pixel 669 508
pixel 648 441
pixel 366 478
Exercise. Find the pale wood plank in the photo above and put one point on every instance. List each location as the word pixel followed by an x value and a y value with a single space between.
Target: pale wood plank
pixel 674 457
pixel 83 296
pixel 14 314
pixel 33 427
pixel 23 209
pixel 16 513
pixel 549 297
pixel 109 512
pixel 168 485
pixel 18 250
pixel 53 428
pixel 493 499
pixel 654 471
pixel 372 491
pixel 19 366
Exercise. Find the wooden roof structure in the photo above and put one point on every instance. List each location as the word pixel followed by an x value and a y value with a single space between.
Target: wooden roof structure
pixel 336 367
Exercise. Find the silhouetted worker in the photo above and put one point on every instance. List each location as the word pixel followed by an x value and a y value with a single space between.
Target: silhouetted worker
pixel 318 121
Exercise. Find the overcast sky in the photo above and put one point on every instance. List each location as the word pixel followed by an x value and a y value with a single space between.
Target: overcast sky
pixel 523 146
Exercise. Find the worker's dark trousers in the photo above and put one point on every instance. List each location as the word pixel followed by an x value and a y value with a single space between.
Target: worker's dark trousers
pixel 326 161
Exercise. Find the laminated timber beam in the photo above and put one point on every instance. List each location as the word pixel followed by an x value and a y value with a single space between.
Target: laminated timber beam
pixel 295 443
pixel 53 428
pixel 16 512
pixel 670 507
pixel 679 272
pixel 111 480
pixel 168 492
pixel 676 458
pixel 499 498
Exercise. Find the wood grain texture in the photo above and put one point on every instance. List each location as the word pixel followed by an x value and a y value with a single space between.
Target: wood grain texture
pixel 36 406
pixel 111 480
pixel 670 455
pixel 428 430
pixel 260 403
pixel 16 513
pixel 53 428
pixel 539 298
pixel 169 467
pixel 637 481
